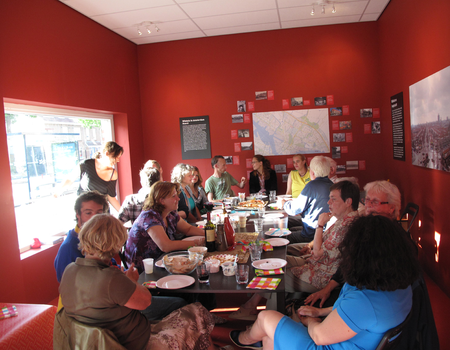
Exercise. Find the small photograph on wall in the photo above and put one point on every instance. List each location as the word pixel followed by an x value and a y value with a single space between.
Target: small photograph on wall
pixel 243 133
pixel 352 165
pixel 366 113
pixel 246 146
pixel 228 159
pixel 261 95
pixel 285 177
pixel 335 111
pixel 296 101
pixel 430 121
pixel 280 168
pixel 241 107
pixel 376 127
pixel 339 137
pixel 345 124
pixel 335 152
pixel 320 101
pixel 237 118
pixel 340 169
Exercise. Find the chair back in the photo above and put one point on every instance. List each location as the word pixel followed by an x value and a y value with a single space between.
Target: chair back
pixel 69 334
pixel 392 336
pixel 410 209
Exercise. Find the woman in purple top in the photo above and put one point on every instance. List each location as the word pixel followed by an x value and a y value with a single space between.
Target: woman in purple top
pixel 153 232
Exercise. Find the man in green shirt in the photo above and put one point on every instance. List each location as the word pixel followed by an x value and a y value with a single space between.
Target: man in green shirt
pixel 219 184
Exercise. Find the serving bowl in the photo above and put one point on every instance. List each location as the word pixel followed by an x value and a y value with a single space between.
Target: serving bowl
pixel 181 263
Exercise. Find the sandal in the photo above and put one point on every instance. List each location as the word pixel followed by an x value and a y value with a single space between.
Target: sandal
pixel 234 336
pixel 244 314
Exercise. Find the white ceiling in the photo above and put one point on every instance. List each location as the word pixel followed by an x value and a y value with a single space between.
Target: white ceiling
pixel 186 19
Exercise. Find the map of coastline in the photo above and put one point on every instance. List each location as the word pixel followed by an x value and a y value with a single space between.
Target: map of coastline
pixel 290 132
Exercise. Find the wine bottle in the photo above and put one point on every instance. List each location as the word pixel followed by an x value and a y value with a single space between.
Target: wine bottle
pixel 210 234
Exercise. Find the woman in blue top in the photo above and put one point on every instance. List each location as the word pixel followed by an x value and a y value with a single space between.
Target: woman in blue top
pixel 153 232
pixel 379 265
pixel 182 174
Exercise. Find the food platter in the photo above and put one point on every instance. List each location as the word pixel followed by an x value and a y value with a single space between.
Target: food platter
pixel 251 204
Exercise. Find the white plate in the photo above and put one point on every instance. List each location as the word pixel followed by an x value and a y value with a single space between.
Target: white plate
pixel 277 242
pixel 279 233
pixel 160 263
pixel 239 214
pixel 214 212
pixel 175 282
pixel 273 216
pixel 269 264
pixel 201 223
pixel 191 238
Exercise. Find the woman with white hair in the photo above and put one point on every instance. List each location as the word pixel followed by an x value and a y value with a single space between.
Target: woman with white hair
pixel 182 174
pixel 382 198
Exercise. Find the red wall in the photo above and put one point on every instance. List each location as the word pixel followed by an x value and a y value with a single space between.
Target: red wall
pixel 414 41
pixel 208 76
pixel 52 55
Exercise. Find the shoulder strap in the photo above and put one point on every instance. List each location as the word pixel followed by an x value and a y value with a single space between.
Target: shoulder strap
pixel 112 174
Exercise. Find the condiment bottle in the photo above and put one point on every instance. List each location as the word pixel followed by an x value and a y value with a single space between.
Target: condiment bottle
pixel 229 232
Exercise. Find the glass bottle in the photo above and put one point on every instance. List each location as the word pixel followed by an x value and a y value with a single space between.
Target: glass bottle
pixel 210 234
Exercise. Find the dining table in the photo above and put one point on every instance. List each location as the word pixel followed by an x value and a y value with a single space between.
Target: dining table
pixel 220 284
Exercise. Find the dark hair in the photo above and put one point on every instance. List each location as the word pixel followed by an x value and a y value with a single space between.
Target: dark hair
pixel 200 179
pixel 377 254
pixel 266 166
pixel 112 148
pixel 149 176
pixel 215 159
pixel 95 196
pixel 348 190
pixel 159 190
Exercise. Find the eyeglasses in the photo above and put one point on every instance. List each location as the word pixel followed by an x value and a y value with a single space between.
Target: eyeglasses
pixel 374 202
pixel 254 162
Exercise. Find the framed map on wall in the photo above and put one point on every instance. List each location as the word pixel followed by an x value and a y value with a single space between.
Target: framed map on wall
pixel 290 132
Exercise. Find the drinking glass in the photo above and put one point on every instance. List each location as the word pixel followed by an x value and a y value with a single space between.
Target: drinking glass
pixel 259 223
pixel 255 251
pixel 242 274
pixel 203 270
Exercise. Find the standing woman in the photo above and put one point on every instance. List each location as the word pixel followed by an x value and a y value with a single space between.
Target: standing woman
pixel 182 175
pixel 100 174
pixel 299 177
pixel 263 178
pixel 197 191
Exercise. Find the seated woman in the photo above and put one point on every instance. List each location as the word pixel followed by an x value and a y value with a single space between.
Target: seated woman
pixel 197 191
pixel 299 177
pixel 263 178
pixel 153 232
pixel 98 295
pixel 379 265
pixel 182 174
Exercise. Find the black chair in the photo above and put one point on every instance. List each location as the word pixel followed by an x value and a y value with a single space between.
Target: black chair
pixel 411 209
pixel 392 336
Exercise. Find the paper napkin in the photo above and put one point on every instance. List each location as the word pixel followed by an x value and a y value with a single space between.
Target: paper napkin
pixel 8 311
pixel 264 283
pixel 259 272
pixel 149 284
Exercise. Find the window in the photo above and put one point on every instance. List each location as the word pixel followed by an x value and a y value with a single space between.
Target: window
pixel 45 146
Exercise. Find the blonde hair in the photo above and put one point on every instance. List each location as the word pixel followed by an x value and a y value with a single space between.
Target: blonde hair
pixel 158 191
pixel 320 166
pixel 179 171
pixel 391 191
pixel 103 235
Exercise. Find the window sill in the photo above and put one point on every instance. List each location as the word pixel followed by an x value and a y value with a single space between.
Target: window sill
pixel 26 252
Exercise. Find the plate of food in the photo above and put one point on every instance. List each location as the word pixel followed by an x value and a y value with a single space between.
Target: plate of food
pixel 277 242
pixel 252 204
pixel 269 264
pixel 175 282
pixel 222 258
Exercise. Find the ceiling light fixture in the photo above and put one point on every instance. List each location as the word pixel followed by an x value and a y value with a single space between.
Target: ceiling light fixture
pixel 323 9
pixel 312 11
pixel 322 4
pixel 139 31
pixel 147 27
pixel 156 28
pixel 333 10
pixel 148 30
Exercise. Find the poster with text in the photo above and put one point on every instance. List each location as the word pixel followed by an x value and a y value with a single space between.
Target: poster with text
pixel 195 137
pixel 398 127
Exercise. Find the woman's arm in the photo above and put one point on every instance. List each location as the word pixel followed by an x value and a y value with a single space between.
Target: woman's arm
pixel 289 185
pixel 114 202
pixel 332 330
pixel 159 236
pixel 189 230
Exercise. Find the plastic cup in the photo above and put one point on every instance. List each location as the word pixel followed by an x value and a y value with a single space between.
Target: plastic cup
pixel 203 270
pixel 242 274
pixel 229 268
pixel 215 266
pixel 241 196
pixel 283 222
pixel 259 224
pixel 242 221
pixel 255 251
pixel 148 265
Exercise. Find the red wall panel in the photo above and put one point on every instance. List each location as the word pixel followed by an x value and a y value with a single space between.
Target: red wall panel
pixel 414 41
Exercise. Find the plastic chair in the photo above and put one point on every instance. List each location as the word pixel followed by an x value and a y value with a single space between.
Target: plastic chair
pixel 392 336
pixel 411 209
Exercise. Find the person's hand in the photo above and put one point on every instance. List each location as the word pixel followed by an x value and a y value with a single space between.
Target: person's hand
pixel 322 294
pixel 243 180
pixel 132 273
pixel 309 311
pixel 305 250
pixel 324 218
pixel 305 320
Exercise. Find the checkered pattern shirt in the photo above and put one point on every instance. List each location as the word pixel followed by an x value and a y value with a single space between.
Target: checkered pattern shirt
pixel 132 205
